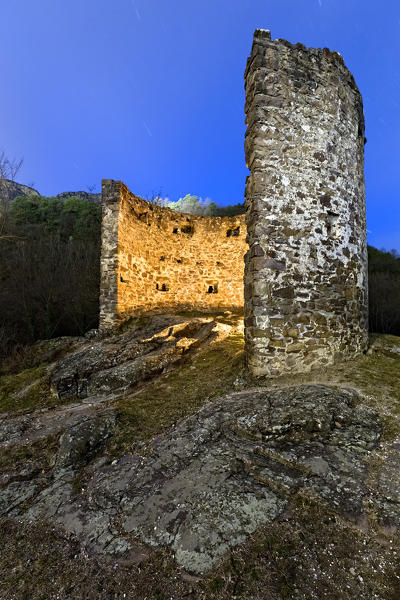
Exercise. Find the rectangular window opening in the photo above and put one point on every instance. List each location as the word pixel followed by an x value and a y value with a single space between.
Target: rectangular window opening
pixel 161 287
pixel 212 289
pixel 332 225
pixel 234 232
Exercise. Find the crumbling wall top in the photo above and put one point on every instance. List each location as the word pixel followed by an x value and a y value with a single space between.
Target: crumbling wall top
pixel 167 260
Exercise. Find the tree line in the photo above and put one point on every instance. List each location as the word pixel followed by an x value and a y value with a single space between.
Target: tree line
pixel 384 291
pixel 194 205
pixel 50 269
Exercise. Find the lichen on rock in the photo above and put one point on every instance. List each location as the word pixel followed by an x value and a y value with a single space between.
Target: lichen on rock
pixel 218 475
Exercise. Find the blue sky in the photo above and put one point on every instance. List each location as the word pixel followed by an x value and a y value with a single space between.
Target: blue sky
pixel 151 92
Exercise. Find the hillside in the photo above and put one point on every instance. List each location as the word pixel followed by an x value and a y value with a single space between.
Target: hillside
pixel 148 464
pixel 12 189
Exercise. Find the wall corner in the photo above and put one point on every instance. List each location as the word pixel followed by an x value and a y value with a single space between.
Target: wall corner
pixel 111 196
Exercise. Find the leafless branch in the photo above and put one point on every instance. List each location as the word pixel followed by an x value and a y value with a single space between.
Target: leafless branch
pixel 9 168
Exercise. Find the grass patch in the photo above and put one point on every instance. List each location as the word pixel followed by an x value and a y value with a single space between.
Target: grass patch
pixel 131 323
pixel 26 391
pixel 375 375
pixel 40 562
pixel 180 392
pixel 308 554
pixel 38 455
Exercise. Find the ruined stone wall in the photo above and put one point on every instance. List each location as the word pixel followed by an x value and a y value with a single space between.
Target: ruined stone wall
pixel 155 258
pixel 305 271
pixel 109 253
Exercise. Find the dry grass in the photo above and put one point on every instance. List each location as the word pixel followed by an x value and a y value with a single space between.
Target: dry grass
pixel 310 553
pixel 209 374
pixel 32 457
pixel 26 391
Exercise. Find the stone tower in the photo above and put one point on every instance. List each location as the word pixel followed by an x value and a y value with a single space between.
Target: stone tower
pixel 306 267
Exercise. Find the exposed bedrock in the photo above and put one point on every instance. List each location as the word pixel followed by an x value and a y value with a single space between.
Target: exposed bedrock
pixel 122 361
pixel 217 475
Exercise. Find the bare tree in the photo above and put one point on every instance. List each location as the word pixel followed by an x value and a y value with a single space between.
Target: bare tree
pixel 8 171
pixel 9 168
pixel 155 198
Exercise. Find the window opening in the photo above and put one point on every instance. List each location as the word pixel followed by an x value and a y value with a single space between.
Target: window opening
pixel 175 230
pixel 162 287
pixel 213 289
pixel 332 225
pixel 234 232
pixel 188 229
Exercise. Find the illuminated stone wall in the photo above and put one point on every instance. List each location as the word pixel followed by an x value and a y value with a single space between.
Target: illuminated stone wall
pixel 154 258
pixel 306 269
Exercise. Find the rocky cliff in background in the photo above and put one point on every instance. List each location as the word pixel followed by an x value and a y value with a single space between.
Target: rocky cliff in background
pixel 11 189
pixel 84 195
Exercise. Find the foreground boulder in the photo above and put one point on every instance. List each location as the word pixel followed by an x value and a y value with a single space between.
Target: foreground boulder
pixel 217 476
pixel 122 361
pixel 84 440
pixel 233 467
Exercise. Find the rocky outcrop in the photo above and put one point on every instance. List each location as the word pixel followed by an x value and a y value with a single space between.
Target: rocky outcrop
pixel 90 196
pixel 82 441
pixel 232 467
pixel 216 476
pixel 11 189
pixel 120 362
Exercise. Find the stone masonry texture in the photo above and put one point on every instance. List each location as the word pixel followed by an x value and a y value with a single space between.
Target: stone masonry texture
pixel 306 267
pixel 305 272
pixel 154 258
